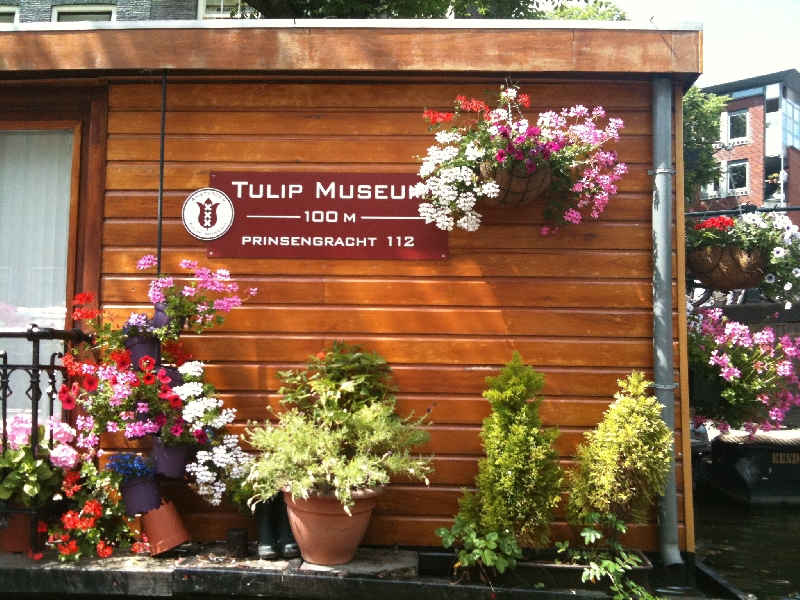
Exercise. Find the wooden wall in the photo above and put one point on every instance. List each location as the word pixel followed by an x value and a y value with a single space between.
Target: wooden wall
pixel 577 305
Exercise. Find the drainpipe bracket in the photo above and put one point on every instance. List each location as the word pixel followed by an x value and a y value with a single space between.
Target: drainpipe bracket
pixel 661 171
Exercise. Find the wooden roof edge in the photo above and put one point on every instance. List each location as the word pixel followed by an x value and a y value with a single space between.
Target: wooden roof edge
pixel 496 46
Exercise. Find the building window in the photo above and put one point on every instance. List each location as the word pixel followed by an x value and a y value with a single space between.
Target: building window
pixel 736 177
pixel 737 125
pixel 9 14
pixel 84 12
pixel 222 9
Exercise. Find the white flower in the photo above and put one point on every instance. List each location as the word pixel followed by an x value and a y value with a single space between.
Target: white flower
pixel 778 252
pixel 188 390
pixel 448 137
pixel 473 151
pixel 769 278
pixel 787 286
pixel 509 93
pixel 796 272
pixel 193 368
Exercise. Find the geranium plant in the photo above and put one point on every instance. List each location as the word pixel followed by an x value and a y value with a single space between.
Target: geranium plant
pixel 95 523
pixel 568 144
pixel 753 375
pixel 773 234
pixel 33 479
pixel 198 304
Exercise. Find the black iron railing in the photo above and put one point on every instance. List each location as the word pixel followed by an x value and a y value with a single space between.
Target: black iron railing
pixel 49 374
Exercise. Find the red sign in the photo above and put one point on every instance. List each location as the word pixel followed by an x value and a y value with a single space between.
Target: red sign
pixel 325 215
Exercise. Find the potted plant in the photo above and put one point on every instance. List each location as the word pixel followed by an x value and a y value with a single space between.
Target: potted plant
pixel 620 470
pixel 95 524
pixel 137 483
pixel 197 305
pixel 336 445
pixel 738 377
pixel 498 156
pixel 30 477
pixel 753 250
pixel 518 482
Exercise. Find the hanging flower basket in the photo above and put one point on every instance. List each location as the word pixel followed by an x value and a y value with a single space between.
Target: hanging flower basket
pixel 517 186
pixel 727 268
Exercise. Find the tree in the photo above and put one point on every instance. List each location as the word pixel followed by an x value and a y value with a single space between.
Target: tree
pixel 403 9
pixel 600 10
pixel 700 130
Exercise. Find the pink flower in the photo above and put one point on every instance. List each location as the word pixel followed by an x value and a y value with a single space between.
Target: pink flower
pixel 147 262
pixel 64 456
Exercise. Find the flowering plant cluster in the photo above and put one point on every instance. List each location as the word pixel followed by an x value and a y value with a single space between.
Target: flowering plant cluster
pixel 198 305
pixel 582 174
pixel 130 466
pixel 757 374
pixel 35 479
pixel 222 470
pixel 95 524
pixel 772 233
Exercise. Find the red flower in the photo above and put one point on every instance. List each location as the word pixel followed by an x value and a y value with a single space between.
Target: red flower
pixel 146 363
pixel 104 550
pixel 524 100
pixel 161 420
pixel 80 314
pixel 90 382
pixel 200 436
pixel 41 527
pixel 163 377
pixel 35 555
pixel 321 355
pixel 122 358
pixel 70 483
pixel 67 401
pixel 83 298
pixel 93 507
pixel 148 379
pixel 72 366
pixel 175 402
pixel 165 393
pixel 721 223
pixel 435 117
pixel 70 547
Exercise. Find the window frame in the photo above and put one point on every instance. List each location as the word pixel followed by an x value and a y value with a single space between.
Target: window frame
pixel 12 10
pixel 737 191
pixel 737 113
pixel 85 8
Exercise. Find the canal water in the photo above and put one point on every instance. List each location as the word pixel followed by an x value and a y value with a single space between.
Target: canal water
pixel 757 549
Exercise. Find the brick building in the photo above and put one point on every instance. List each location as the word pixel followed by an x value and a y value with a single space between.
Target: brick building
pixel 36 11
pixel 759 144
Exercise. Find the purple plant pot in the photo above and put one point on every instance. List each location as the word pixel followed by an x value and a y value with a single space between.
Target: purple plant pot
pixel 140 495
pixel 171 461
pixel 143 346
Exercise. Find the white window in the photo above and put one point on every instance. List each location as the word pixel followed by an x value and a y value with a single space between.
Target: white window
pixel 9 14
pixel 736 177
pixel 738 125
pixel 84 12
pixel 36 176
pixel 221 9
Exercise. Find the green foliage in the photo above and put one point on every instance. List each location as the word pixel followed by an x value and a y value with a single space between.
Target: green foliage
pixel 601 563
pixel 495 550
pixel 625 462
pixel 403 9
pixel 700 129
pixel 29 479
pixel 339 432
pixel 596 11
pixel 518 480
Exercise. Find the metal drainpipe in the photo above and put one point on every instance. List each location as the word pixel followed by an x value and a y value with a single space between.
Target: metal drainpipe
pixel 662 304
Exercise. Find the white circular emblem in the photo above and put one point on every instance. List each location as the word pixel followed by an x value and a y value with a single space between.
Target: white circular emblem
pixel 207 214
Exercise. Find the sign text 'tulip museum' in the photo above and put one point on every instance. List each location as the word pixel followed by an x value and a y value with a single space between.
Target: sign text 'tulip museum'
pixel 325 215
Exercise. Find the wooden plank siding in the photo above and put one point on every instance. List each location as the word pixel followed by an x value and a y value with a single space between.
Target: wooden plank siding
pixel 577 305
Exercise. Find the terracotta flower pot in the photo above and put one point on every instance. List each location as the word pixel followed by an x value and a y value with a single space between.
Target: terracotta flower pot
pixel 727 268
pixel 517 186
pixel 171 461
pixel 17 537
pixel 140 495
pixel 164 528
pixel 326 534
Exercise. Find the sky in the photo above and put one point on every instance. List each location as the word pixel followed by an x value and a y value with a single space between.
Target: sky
pixel 741 38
